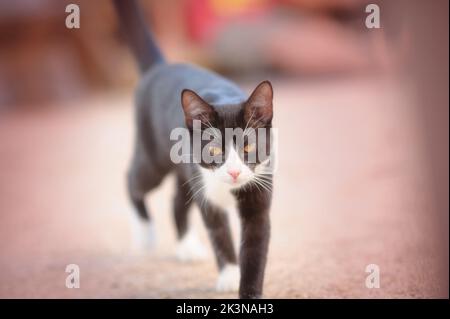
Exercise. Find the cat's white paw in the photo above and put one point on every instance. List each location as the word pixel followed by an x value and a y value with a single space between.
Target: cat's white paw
pixel 190 248
pixel 228 280
pixel 143 236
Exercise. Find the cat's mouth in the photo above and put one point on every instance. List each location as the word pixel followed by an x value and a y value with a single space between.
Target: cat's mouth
pixel 236 182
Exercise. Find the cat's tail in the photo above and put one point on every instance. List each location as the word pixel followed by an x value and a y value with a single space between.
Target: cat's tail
pixel 135 31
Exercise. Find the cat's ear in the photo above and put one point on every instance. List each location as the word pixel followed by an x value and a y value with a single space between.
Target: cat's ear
pixel 259 107
pixel 195 108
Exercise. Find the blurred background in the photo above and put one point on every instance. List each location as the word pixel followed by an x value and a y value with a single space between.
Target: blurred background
pixel 363 132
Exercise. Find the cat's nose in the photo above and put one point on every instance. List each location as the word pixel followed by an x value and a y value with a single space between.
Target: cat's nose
pixel 234 173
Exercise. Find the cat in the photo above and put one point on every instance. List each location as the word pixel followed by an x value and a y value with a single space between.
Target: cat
pixel 173 96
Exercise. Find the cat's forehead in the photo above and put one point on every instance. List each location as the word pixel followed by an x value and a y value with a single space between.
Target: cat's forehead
pixel 230 115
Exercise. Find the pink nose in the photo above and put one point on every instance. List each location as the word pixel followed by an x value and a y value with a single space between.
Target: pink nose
pixel 234 173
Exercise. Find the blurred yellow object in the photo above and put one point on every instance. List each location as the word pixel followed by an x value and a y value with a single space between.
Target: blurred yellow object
pixel 232 7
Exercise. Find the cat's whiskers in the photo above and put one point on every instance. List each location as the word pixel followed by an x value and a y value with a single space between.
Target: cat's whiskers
pixel 192 179
pixel 265 174
pixel 263 181
pixel 264 186
pixel 253 182
pixel 203 202
pixel 265 177
pixel 197 191
pixel 194 185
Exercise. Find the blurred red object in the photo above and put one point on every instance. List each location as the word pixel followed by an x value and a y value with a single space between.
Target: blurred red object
pixel 205 17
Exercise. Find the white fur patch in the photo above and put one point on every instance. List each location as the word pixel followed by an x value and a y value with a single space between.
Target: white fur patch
pixel 190 248
pixel 228 280
pixel 219 183
pixel 143 235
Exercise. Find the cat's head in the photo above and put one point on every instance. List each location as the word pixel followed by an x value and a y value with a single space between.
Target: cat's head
pixel 233 159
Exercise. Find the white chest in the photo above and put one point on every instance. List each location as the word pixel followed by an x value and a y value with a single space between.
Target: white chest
pixel 219 193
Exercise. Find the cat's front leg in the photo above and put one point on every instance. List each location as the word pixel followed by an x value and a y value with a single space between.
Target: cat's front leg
pixel 254 247
pixel 216 221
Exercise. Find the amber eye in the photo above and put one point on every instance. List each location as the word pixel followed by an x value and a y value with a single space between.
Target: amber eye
pixel 249 148
pixel 215 151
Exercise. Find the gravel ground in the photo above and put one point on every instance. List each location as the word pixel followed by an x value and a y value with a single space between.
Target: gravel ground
pixel 351 190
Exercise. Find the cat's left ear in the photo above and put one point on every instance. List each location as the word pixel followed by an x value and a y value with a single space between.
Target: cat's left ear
pixel 259 107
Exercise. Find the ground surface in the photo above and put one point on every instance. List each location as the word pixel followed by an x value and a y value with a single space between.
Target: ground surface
pixel 351 190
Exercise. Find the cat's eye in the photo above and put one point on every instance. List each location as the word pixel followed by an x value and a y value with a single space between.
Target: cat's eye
pixel 249 148
pixel 215 151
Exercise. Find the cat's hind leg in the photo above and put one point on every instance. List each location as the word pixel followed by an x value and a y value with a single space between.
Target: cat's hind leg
pixel 189 247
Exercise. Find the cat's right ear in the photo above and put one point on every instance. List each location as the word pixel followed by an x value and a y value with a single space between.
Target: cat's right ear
pixel 258 108
pixel 195 108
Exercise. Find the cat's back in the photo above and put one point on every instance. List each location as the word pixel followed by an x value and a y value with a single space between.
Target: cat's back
pixel 164 84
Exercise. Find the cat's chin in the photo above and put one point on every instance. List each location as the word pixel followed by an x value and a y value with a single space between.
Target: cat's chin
pixel 236 184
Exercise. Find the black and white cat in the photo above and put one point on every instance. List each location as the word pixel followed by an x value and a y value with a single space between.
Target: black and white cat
pixel 173 96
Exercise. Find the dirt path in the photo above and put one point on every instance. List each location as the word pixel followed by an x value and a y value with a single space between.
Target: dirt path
pixel 351 190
